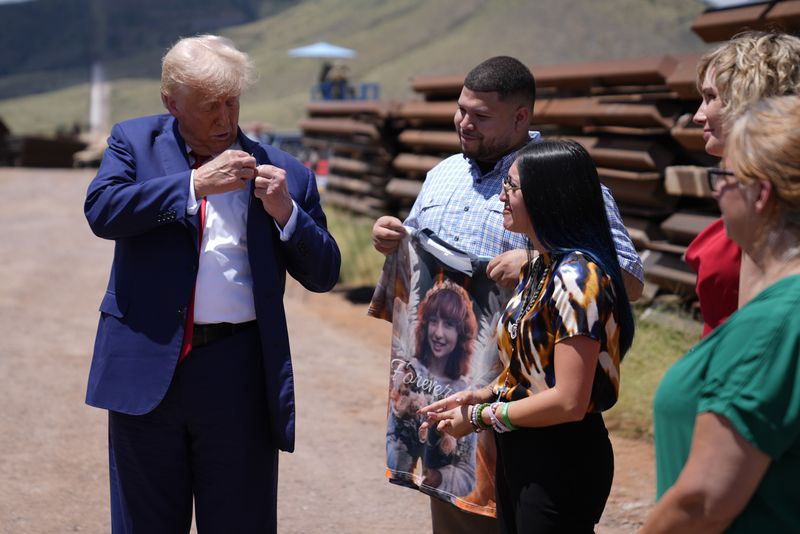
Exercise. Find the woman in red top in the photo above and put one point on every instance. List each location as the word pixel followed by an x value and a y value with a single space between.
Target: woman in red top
pixel 730 78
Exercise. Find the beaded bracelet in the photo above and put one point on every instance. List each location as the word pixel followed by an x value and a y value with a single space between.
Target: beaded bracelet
pixel 471 415
pixel 498 425
pixel 506 420
pixel 478 416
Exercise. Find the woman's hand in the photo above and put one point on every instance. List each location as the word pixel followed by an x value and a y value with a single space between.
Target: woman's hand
pixel 454 422
pixel 455 400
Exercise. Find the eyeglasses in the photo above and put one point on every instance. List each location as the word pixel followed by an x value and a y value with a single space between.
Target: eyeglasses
pixel 508 187
pixel 719 178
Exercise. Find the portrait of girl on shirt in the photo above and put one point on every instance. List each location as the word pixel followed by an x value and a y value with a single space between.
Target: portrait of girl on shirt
pixel 445 336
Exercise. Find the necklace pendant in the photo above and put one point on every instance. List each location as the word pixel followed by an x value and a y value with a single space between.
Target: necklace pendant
pixel 512 330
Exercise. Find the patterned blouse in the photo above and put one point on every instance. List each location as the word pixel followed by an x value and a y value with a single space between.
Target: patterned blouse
pixel 575 298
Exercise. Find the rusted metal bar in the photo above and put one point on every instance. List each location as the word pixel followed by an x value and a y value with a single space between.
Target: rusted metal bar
pixel 414 163
pixel 584 111
pixel 682 227
pixel 785 14
pixel 438 85
pixel 363 205
pixel 633 154
pixel 642 231
pixel 339 108
pixel 721 25
pixel 687 181
pixel 631 176
pixel 435 112
pixel 640 189
pixel 431 140
pixel 350 147
pixel 683 79
pixel 669 272
pixel 343 127
pixel 351 185
pixel 640 71
pixel 402 188
pixel 637 96
pixel 349 166
pixel 625 130
pixel 689 136
pixel 666 246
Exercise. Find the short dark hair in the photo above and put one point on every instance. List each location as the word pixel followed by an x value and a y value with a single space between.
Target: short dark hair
pixel 503 75
pixel 565 204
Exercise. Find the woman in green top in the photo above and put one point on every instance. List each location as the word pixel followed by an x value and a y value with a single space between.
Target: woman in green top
pixel 727 415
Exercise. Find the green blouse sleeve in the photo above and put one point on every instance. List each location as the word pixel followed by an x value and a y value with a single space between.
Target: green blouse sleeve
pixel 754 376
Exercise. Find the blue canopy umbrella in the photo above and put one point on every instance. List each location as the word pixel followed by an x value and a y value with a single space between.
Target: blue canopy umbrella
pixel 323 50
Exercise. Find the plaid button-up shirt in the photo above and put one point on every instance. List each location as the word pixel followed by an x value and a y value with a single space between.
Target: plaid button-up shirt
pixel 463 207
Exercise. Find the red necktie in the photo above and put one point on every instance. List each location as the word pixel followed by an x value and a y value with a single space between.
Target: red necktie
pixel 189 329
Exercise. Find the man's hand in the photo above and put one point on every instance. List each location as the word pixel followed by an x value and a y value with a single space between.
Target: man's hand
pixel 504 269
pixel 272 189
pixel 633 286
pixel 227 172
pixel 387 232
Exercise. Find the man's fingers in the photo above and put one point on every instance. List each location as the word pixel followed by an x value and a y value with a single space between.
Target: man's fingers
pixel 389 235
pixel 247 173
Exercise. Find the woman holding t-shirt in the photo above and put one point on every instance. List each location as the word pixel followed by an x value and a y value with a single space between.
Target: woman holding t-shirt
pixel 561 339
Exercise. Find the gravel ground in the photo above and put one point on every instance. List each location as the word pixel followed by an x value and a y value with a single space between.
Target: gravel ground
pixel 53 460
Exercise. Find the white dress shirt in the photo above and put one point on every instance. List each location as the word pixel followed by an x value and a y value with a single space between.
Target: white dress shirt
pixel 224 289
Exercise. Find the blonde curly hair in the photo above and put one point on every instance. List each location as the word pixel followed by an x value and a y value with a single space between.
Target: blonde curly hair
pixel 210 63
pixel 751 66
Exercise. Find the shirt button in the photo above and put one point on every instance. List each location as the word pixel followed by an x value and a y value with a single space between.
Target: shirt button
pixel 466 208
pixel 455 238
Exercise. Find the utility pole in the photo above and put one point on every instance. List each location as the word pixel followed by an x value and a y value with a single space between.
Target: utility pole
pixel 99 113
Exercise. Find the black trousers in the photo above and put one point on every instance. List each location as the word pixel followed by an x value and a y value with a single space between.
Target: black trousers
pixel 554 479
pixel 207 440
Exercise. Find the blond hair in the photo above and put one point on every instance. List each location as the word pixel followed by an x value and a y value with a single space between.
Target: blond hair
pixel 764 144
pixel 209 63
pixel 751 66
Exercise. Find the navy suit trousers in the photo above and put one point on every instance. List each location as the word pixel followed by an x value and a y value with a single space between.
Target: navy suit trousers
pixel 208 440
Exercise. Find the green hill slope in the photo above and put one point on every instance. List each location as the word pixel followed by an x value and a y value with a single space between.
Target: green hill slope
pixel 395 40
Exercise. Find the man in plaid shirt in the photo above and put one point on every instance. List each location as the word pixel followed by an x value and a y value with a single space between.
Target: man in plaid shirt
pixel 460 202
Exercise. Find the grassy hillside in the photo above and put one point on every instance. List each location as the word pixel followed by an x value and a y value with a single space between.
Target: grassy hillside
pixel 395 41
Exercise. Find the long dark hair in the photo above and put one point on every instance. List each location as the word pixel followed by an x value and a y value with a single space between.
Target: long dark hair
pixel 565 203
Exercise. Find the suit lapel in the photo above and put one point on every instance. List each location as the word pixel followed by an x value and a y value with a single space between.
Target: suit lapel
pixel 258 152
pixel 261 230
pixel 171 150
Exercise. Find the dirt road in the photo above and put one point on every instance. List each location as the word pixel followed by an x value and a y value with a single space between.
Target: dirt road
pixel 53 463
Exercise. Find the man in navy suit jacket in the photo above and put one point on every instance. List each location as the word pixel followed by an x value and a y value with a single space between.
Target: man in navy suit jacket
pixel 191 358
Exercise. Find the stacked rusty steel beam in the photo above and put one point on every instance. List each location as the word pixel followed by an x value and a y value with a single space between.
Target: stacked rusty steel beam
pixel 632 116
pixel 722 24
pixel 356 138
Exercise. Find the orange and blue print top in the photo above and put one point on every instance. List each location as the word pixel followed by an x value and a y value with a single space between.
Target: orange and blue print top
pixel 574 298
